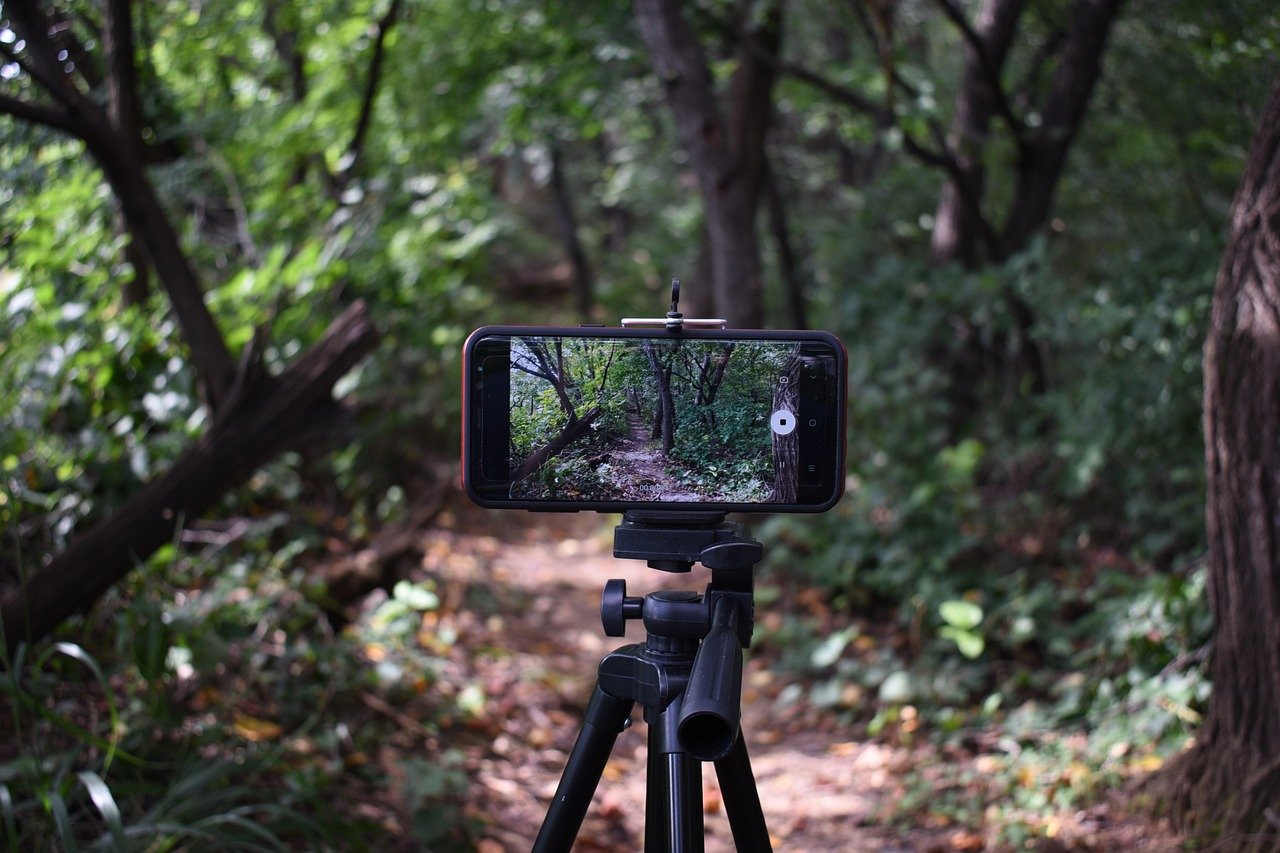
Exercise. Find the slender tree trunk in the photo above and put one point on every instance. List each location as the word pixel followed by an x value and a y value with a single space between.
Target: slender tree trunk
pixel 567 224
pixel 149 224
pixel 1045 155
pixel 957 222
pixel 1230 781
pixel 254 415
pixel 788 263
pixel 111 136
pixel 666 403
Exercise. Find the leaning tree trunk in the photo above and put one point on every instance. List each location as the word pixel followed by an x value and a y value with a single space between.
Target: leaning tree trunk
pixel 1229 783
pixel 255 415
pixel 260 417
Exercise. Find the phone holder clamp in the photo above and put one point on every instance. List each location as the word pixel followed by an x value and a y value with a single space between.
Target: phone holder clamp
pixel 674 322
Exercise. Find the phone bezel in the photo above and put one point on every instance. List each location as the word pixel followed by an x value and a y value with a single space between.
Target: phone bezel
pixel 473 398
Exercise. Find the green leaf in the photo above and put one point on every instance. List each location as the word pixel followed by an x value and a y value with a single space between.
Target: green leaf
pixel 106 805
pixel 10 818
pixel 897 688
pixel 830 649
pixel 62 822
pixel 961 614
pixel 415 596
pixel 970 644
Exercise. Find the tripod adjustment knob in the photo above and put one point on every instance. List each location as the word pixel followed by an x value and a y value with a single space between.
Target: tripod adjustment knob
pixel 616 607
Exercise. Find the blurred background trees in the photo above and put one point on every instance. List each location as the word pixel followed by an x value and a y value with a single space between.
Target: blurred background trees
pixel 1011 210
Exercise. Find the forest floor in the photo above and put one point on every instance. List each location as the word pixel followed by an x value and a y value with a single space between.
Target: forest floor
pixel 522 593
pixel 638 469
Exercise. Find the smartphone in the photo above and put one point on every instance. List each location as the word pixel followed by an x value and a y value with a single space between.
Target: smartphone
pixel 615 419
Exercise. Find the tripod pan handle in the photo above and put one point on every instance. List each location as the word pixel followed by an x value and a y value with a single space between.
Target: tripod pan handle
pixel 712 710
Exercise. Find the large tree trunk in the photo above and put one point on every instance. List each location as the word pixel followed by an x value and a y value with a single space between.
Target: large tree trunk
pixel 786 448
pixel 1230 780
pixel 727 155
pixel 257 421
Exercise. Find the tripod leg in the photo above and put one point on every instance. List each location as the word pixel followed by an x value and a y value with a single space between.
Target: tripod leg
pixel 605 718
pixel 742 800
pixel 673 810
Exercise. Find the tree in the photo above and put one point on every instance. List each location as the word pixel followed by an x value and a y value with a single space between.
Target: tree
pixel 1041 113
pixel 963 230
pixel 1229 782
pixel 533 357
pixel 725 143
pixel 254 414
pixel 664 406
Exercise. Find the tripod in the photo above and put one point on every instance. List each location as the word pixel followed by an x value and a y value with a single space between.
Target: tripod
pixel 687 675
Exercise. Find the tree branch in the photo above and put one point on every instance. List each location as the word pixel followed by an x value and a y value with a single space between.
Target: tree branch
pixel 843 94
pixel 58 118
pixel 62 31
pixel 990 71
pixel 286 44
pixel 34 27
pixel 356 148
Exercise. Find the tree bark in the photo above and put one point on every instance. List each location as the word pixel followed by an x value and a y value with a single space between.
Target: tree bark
pixel 1045 155
pixel 666 403
pixel 258 420
pixel 1231 778
pixel 727 155
pixel 786 448
pixel 957 222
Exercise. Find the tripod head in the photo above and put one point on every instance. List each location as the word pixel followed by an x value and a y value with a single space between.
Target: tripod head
pixel 712 628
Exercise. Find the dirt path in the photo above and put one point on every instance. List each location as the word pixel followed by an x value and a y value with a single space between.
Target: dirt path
pixel 524 604
pixel 638 469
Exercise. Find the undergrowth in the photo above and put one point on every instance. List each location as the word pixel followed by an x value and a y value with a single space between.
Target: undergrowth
pixel 209 704
pixel 1022 587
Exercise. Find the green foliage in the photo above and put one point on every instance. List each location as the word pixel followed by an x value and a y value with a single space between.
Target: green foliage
pixel 225 714
pixel 1029 547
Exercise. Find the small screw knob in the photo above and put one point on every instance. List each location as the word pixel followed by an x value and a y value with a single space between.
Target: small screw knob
pixel 616 607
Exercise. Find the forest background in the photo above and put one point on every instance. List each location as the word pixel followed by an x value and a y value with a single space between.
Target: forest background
pixel 218 218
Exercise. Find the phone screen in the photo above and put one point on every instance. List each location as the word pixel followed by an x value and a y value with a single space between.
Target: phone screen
pixel 658 420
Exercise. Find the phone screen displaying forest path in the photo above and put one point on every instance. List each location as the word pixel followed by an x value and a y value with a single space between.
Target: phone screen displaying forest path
pixel 670 420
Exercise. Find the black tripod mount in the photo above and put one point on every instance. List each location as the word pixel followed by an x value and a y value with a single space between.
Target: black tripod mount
pixel 687 676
